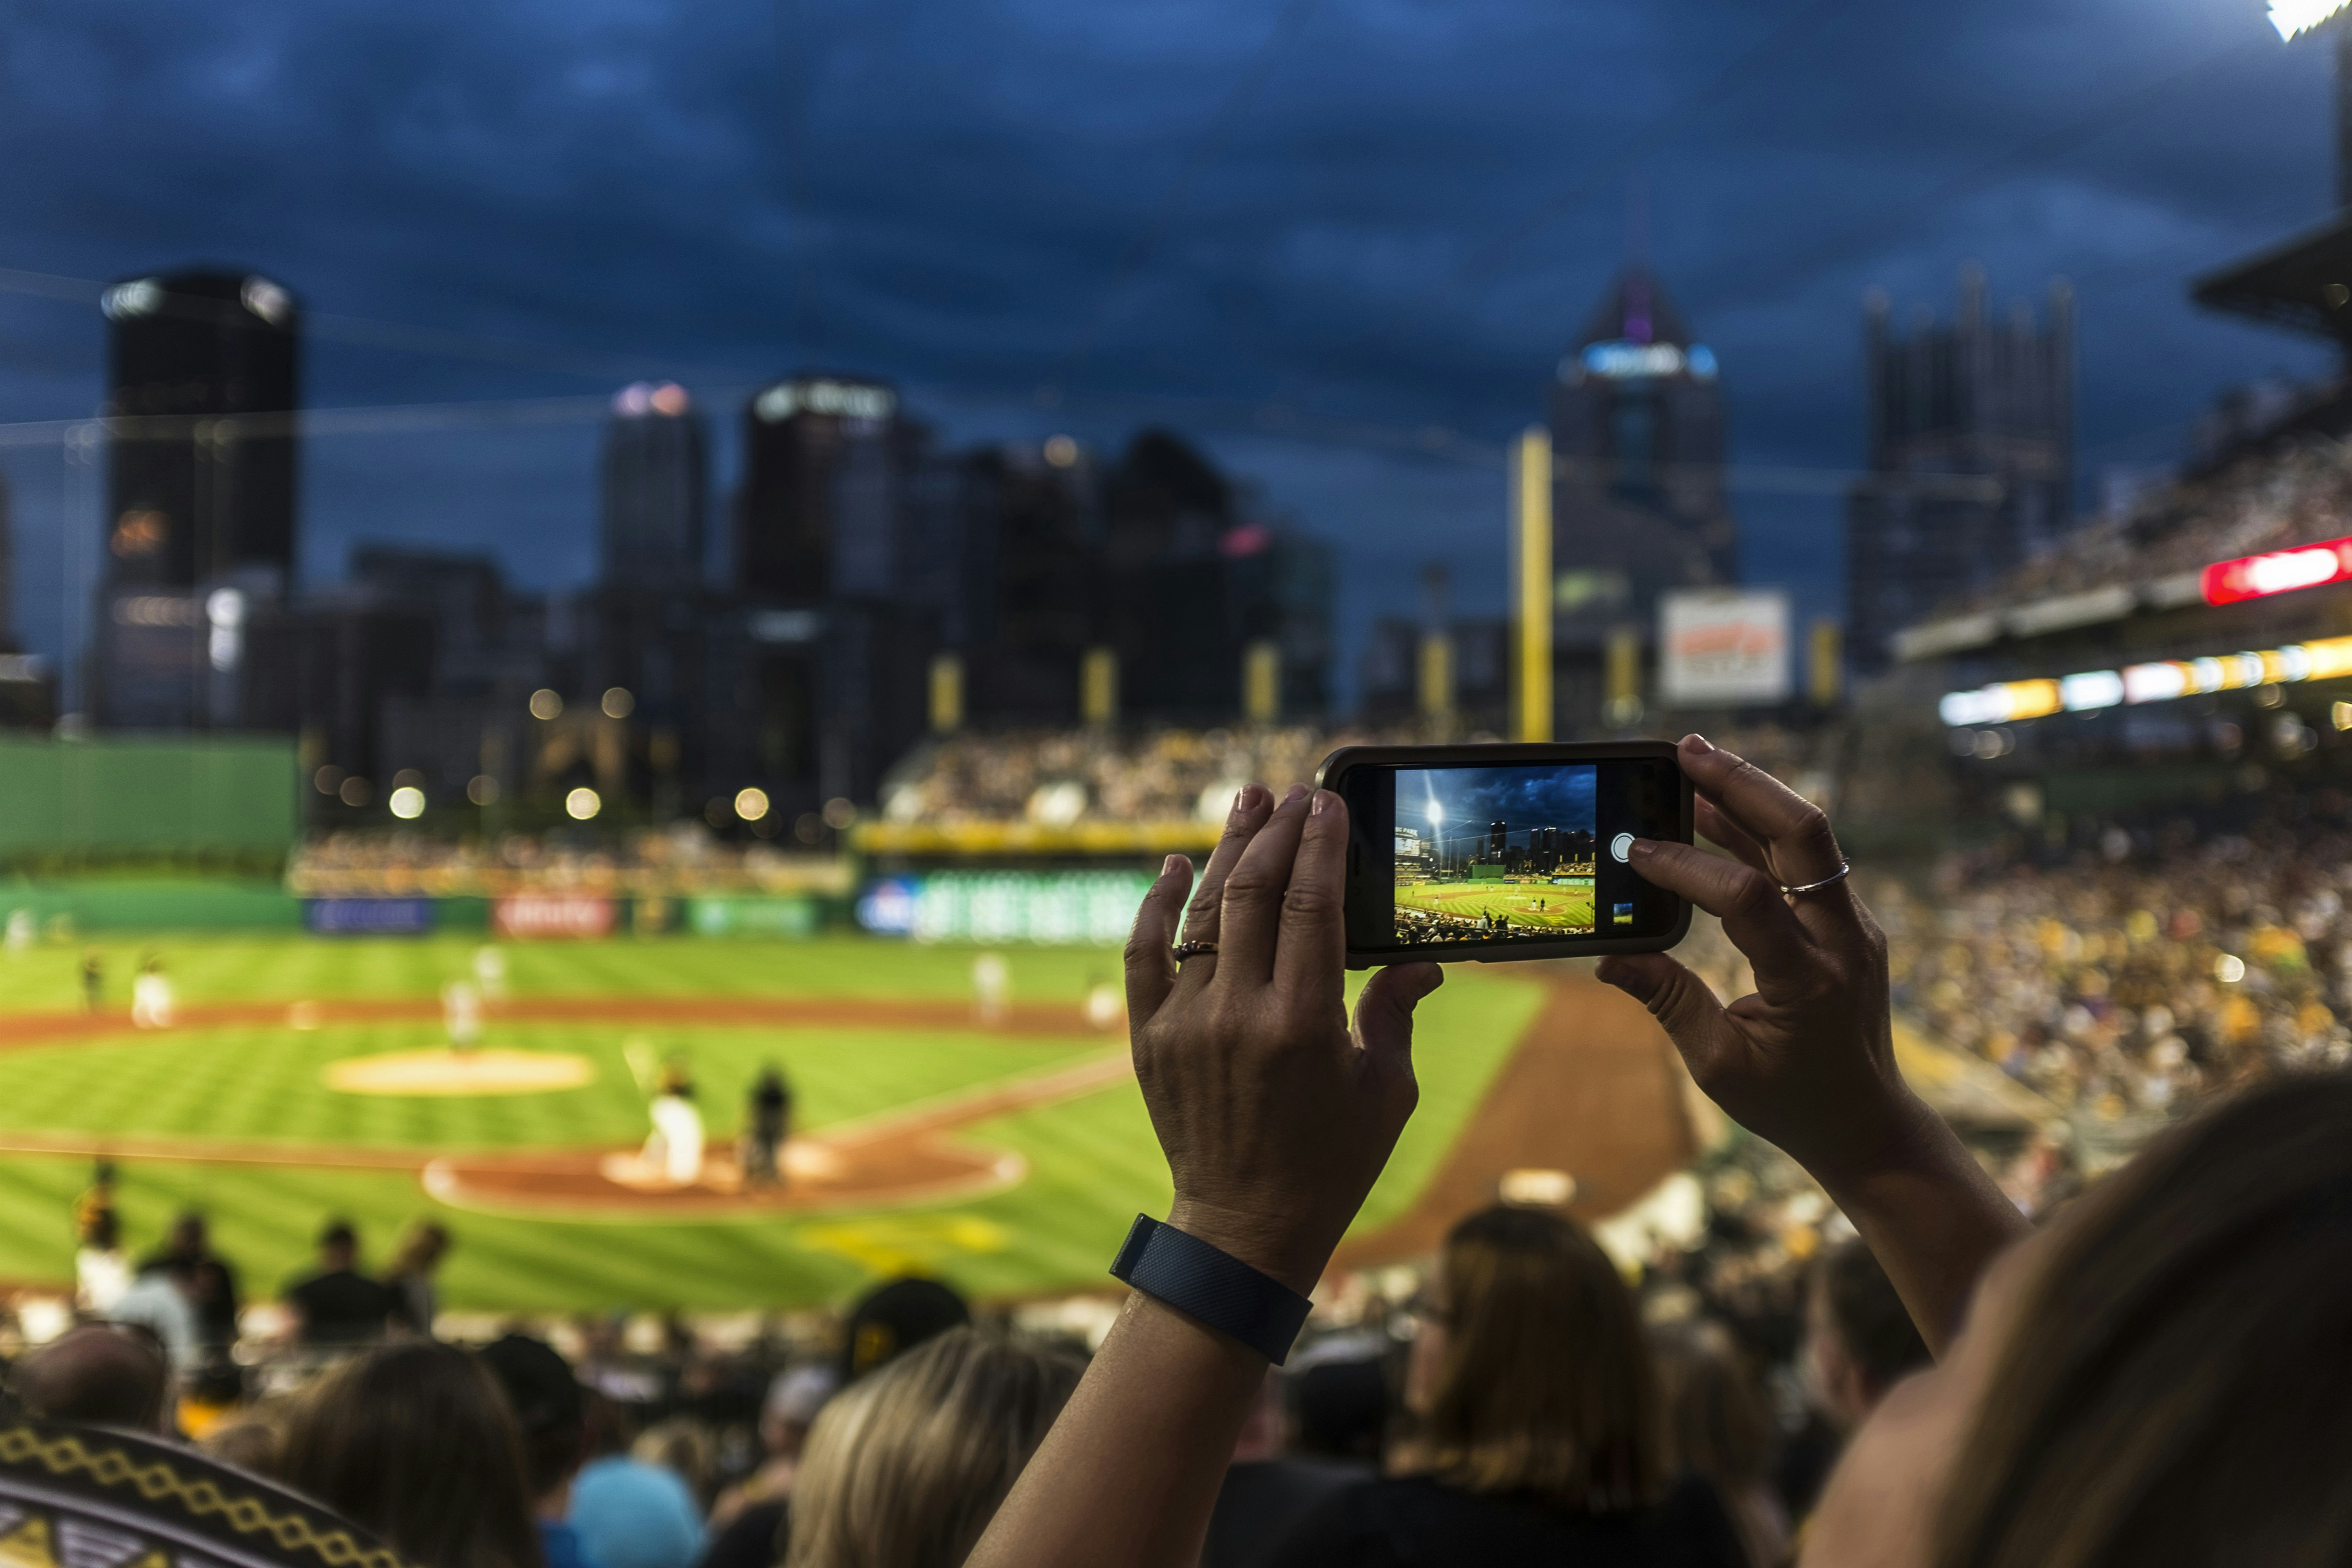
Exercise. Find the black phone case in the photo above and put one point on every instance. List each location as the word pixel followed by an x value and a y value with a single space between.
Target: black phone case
pixel 1503 754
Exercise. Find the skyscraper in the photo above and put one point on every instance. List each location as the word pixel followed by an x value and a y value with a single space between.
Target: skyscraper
pixel 828 462
pixel 202 379
pixel 655 483
pixel 200 515
pixel 1638 499
pixel 1971 458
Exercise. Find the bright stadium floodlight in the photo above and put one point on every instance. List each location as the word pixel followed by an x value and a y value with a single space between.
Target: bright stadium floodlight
pixel 582 804
pixel 2293 17
pixel 751 803
pixel 407 803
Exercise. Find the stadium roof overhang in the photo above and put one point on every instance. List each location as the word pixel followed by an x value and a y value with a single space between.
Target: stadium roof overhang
pixel 2303 283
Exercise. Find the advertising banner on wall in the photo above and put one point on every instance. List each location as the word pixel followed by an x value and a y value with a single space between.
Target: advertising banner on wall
pixel 1723 647
pixel 753 916
pixel 1046 906
pixel 527 915
pixel 368 917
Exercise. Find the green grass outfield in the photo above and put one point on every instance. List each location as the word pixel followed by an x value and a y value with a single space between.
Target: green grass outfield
pixel 1093 1163
pixel 1569 908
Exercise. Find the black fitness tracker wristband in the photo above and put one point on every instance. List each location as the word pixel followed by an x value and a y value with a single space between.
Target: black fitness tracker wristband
pixel 1212 1285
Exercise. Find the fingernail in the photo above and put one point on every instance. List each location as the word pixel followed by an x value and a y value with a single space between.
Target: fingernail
pixel 1297 792
pixel 1167 867
pixel 1643 849
pixel 1322 799
pixel 1698 743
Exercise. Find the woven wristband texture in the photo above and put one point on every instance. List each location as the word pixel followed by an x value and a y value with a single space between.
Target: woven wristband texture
pixel 1212 1285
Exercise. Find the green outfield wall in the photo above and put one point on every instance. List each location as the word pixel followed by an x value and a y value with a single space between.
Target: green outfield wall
pixel 120 797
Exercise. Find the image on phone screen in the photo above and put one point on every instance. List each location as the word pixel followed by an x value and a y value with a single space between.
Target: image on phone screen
pixel 1490 854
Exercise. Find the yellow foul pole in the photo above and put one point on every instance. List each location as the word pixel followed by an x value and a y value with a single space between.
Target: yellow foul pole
pixel 1531 582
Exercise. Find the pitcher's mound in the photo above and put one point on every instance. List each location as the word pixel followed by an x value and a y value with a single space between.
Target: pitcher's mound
pixel 446 1072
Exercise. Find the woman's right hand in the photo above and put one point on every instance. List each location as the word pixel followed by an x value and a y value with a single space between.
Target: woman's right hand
pixel 1807 1061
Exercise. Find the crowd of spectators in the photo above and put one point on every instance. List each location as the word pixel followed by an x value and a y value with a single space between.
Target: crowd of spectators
pixel 1057 778
pixel 889 1436
pixel 2133 981
pixel 2264 502
pixel 684 857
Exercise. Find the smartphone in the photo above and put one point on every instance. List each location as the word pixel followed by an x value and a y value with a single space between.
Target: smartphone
pixel 1503 852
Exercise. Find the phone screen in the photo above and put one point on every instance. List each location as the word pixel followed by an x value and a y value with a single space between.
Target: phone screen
pixel 1467 857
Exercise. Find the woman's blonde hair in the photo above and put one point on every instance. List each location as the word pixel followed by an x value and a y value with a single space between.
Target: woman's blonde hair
pixel 905 1468
pixel 1545 1385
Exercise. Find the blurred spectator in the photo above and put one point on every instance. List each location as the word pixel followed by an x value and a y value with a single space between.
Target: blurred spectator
pixel 752 1510
pixel 162 1301
pixel 682 1445
pixel 416 1443
pixel 1341 1403
pixel 211 1282
pixel 97 1375
pixel 893 1319
pixel 416 1296
pixel 1538 1427
pixel 631 1514
pixel 255 1440
pixel 338 1305
pixel 1719 1429
pixel 101 1269
pixel 1859 1339
pixel 1268 1489
pixel 905 1468
pixel 549 1411
pixel 786 1414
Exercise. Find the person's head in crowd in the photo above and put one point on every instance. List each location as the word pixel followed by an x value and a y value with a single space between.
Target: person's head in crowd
pixel 790 1408
pixel 550 1411
pixel 1530 1374
pixel 417 1442
pixel 339 1245
pixel 1717 1428
pixel 189 1237
pixel 682 1445
pixel 421 1248
pixel 104 1233
pixel 253 1441
pixel 97 1375
pixel 1859 1338
pixel 905 1468
pixel 2157 1377
pixel 892 1319
pixel 1340 1408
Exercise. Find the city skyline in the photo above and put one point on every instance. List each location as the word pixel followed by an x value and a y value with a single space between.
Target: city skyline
pixel 1362 249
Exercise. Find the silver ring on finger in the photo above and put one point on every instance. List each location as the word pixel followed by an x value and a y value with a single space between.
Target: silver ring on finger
pixel 1833 878
pixel 1185 950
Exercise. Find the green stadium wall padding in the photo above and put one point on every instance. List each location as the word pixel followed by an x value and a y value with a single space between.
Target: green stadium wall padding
pixel 149 795
pixel 141 905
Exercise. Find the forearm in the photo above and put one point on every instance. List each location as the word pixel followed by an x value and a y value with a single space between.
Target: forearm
pixel 1930 1214
pixel 1129 1472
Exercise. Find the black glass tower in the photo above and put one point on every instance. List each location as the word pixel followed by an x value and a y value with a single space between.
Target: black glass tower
pixel 655 476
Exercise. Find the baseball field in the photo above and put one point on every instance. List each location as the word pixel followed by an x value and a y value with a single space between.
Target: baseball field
pixel 1008 1157
pixel 1531 903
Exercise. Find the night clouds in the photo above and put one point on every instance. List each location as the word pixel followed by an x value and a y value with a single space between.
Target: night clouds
pixel 985 198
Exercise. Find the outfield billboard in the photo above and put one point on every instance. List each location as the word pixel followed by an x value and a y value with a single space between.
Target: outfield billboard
pixel 1057 908
pixel 526 916
pixel 367 917
pixel 754 916
pixel 1723 647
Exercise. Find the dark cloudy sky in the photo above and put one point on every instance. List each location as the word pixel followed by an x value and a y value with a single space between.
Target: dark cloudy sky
pixel 1342 241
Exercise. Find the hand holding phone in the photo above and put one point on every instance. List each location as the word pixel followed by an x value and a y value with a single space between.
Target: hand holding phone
pixel 1501 852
